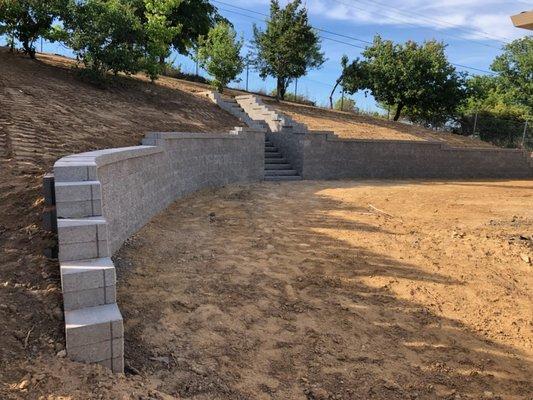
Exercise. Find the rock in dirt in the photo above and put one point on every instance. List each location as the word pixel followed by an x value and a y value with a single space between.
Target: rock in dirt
pixel 165 360
pixel 525 258
pixel 62 354
pixel 24 384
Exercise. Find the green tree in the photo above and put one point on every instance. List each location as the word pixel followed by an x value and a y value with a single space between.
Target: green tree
pixel 105 35
pixel 415 79
pixel 515 74
pixel 219 55
pixel 196 18
pixel 27 20
pixel 288 47
pixel 353 77
pixel 159 30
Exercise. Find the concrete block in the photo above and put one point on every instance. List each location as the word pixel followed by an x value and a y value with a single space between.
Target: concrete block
pixel 84 298
pixel 97 352
pixel 79 209
pixel 92 325
pixel 81 230
pixel 66 171
pixel 83 251
pixel 87 274
pixel 89 298
pixel 48 189
pixel 76 191
pixel 117 365
pixel 50 219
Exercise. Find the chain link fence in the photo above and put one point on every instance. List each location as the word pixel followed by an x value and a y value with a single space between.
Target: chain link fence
pixel 503 132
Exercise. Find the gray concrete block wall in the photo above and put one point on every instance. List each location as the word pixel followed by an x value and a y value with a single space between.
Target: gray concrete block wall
pixel 327 157
pixel 323 155
pixel 105 196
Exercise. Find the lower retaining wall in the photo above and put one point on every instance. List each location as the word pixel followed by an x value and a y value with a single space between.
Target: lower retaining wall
pixel 324 156
pixel 105 196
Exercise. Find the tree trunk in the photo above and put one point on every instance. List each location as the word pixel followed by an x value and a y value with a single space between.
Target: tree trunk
pixel 333 91
pixel 281 89
pixel 399 109
pixel 28 48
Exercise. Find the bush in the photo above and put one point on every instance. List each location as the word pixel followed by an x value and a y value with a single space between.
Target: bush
pixel 173 72
pixel 347 104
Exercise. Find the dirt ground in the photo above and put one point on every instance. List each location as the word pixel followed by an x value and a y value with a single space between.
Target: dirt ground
pixel 323 290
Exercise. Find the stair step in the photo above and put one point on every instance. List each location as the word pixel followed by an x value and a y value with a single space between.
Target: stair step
pixel 277 172
pixel 283 178
pixel 271 149
pixel 271 166
pixel 273 155
pixel 275 160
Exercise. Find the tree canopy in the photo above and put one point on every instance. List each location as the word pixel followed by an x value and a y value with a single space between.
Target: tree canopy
pixel 27 20
pixel 288 47
pixel 416 79
pixel 219 55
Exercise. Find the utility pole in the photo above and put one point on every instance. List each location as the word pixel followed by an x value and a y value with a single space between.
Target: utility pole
pixel 475 124
pixel 247 73
pixel 295 89
pixel 41 44
pixel 524 135
pixel 342 100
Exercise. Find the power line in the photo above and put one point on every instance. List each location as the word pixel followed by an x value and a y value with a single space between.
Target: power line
pixel 332 33
pixel 441 22
pixel 415 25
pixel 314 27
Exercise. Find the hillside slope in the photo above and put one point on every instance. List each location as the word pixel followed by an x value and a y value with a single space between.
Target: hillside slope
pixel 46 113
pixel 356 126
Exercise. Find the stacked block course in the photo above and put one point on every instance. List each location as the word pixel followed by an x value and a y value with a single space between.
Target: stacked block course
pixel 103 197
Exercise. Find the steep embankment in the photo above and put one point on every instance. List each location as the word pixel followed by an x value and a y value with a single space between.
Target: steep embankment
pixel 46 113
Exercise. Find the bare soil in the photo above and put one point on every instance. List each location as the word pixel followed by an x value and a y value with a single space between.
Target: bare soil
pixel 324 290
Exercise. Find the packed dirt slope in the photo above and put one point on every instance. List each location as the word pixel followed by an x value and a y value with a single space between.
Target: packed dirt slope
pixel 46 113
pixel 356 126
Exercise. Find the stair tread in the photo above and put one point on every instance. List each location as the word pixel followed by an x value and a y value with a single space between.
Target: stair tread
pixel 280 172
pixel 283 178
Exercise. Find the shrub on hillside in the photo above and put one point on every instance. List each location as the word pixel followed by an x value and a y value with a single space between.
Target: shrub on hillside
pixel 346 104
pixel 299 98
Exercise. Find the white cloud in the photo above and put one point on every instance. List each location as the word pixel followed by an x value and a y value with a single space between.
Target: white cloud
pixel 471 19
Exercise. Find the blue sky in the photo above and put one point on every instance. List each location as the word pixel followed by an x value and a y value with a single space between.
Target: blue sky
pixel 474 30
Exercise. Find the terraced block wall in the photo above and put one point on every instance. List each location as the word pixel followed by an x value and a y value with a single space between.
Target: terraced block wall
pixel 103 197
pixel 328 157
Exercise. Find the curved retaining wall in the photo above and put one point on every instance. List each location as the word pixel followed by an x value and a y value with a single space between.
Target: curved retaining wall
pixel 103 197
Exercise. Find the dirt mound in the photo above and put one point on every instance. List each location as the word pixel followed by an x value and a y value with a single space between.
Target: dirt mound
pixel 46 113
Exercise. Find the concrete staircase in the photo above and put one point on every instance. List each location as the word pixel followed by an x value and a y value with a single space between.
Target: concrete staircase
pixel 230 105
pixel 259 112
pixel 277 168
